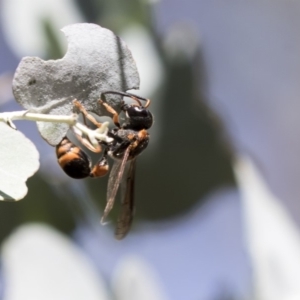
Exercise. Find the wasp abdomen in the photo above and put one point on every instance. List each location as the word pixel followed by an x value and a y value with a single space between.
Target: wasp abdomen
pixel 73 160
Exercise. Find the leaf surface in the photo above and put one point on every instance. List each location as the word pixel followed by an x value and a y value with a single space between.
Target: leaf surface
pixel 19 160
pixel 96 61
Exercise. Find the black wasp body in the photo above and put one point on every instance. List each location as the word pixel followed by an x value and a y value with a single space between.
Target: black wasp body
pixel 133 133
pixel 128 141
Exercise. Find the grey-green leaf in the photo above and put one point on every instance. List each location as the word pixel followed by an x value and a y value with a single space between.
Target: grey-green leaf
pixel 19 160
pixel 96 61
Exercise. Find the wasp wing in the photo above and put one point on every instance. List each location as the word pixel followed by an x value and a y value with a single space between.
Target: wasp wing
pixel 127 210
pixel 114 180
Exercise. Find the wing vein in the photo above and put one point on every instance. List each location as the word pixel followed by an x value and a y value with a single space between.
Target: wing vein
pixel 114 183
pixel 127 210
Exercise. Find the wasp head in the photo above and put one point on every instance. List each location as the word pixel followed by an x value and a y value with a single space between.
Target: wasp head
pixel 137 117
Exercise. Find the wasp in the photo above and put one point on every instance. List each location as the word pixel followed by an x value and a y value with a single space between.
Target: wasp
pixel 129 139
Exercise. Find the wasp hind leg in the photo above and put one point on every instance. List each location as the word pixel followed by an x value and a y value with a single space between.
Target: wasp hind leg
pixel 85 114
pixel 94 147
pixel 101 168
pixel 115 115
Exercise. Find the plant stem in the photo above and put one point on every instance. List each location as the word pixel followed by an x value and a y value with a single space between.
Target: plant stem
pixel 98 134
pixel 25 115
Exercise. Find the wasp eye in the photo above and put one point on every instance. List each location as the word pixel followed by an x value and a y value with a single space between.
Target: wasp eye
pixel 138 117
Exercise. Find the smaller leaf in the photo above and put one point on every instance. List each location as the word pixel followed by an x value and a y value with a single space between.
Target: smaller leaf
pixel 19 161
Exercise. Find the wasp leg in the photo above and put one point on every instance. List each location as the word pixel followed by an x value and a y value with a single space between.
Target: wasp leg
pixel 85 114
pixel 115 116
pixel 91 146
pixel 97 148
pixel 101 168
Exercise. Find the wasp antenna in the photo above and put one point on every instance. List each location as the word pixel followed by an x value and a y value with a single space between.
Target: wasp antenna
pixel 130 95
pixel 115 115
pixel 136 96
